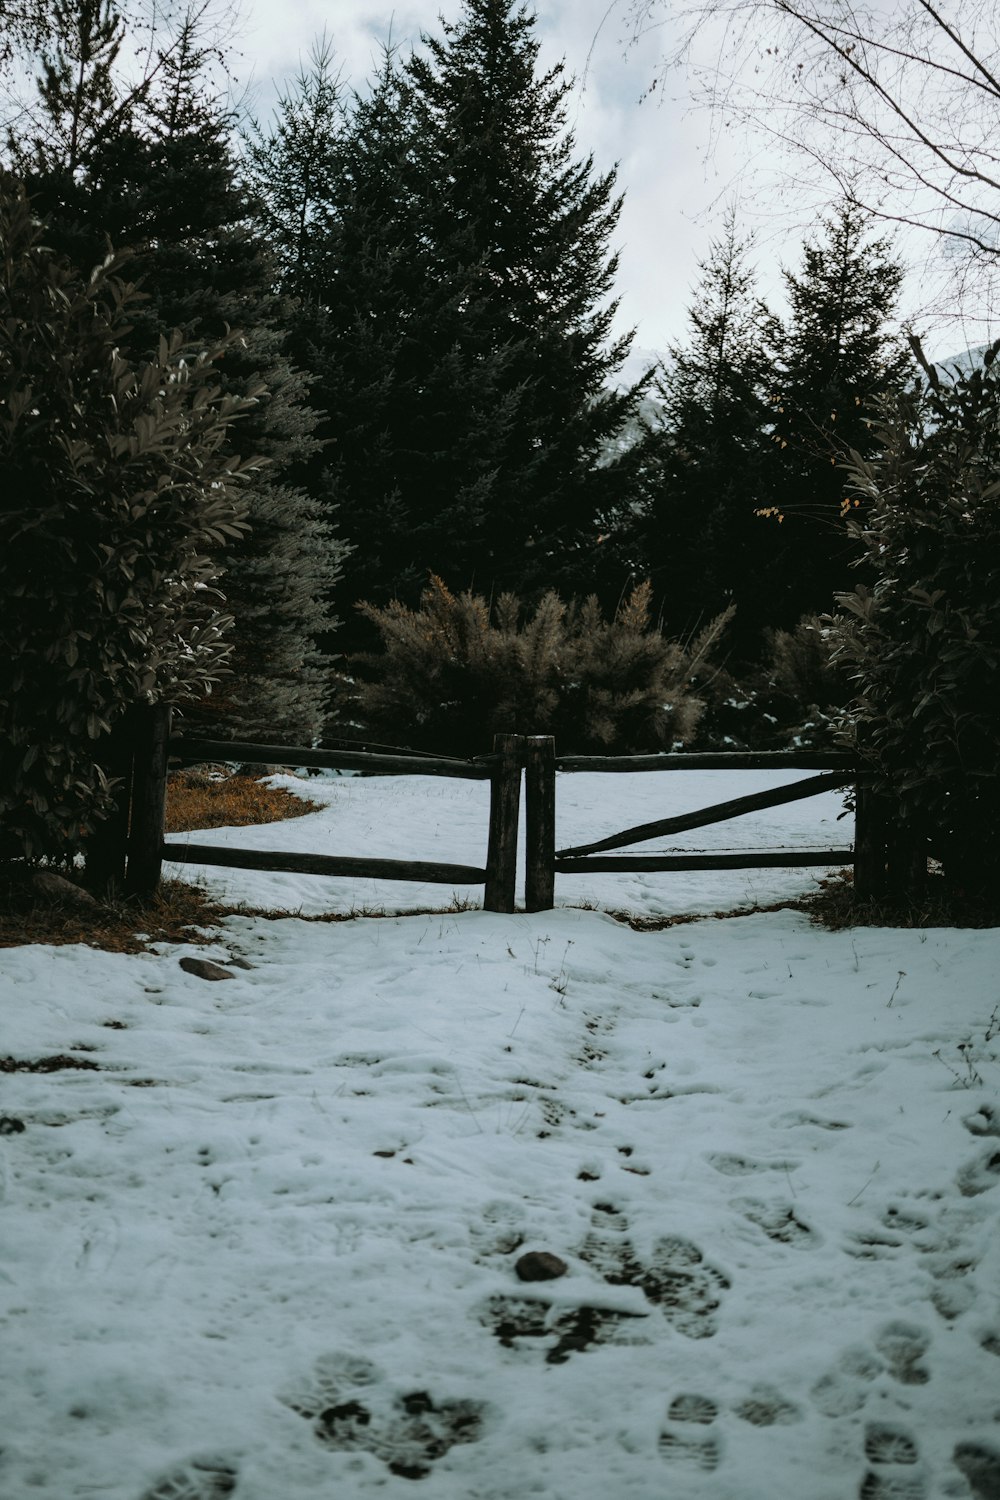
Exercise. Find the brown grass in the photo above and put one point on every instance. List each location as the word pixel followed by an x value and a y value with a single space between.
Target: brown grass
pixel 198 800
pixel 837 907
pixel 178 913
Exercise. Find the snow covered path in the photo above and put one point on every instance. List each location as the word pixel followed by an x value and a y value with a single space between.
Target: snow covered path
pixel 266 1246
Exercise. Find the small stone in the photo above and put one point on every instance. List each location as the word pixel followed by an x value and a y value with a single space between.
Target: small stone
pixel 205 969
pixel 10 1125
pixel 240 963
pixel 540 1265
pixel 62 892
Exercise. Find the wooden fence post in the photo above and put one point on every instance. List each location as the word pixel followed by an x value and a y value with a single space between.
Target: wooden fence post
pixel 505 803
pixel 906 861
pixel 870 814
pixel 540 822
pixel 890 857
pixel 149 795
pixel 105 850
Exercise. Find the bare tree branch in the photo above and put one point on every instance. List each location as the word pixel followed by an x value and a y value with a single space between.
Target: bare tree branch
pixel 896 101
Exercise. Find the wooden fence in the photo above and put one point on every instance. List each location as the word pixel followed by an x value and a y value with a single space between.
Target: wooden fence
pixel 131 847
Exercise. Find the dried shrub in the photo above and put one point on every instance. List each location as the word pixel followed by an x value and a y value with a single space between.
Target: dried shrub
pixel 794 699
pixel 454 672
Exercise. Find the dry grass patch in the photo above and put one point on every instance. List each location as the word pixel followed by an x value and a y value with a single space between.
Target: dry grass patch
pixel 203 799
pixel 178 913
pixel 837 906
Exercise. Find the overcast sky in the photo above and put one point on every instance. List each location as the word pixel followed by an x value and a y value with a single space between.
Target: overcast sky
pixel 661 149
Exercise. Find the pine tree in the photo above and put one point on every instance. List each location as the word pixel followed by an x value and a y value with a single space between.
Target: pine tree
pixel 459 330
pixel 329 181
pixel 77 88
pixel 701 540
pixel 518 228
pixel 295 170
pixel 164 184
pixel 833 357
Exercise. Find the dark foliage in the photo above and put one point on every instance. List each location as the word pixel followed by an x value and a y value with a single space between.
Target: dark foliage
pixel 118 488
pixel 923 642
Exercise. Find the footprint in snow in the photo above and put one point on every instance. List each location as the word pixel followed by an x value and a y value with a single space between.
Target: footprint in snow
pixel 951 1267
pixel 892 1453
pixel 796 1118
pixel 677 1278
pixel 985 1121
pixel 904 1220
pixel 564 1331
pixel 778 1221
pixel 350 1410
pixel 844 1388
pixel 731 1164
pixel 871 1244
pixel 896 1226
pixel 767 1407
pixel 197 1479
pixel 678 1002
pixel 500 1229
pixel 981 1466
pixel 979 1175
pixel 902 1346
pixel 686 1439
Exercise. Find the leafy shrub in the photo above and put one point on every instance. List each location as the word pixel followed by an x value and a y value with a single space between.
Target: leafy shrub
pixel 923 644
pixel 454 672
pixel 117 491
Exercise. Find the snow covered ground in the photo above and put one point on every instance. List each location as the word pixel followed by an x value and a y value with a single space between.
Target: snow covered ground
pixel 267 1246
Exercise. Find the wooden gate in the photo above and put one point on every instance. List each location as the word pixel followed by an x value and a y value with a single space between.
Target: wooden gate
pixel 129 849
pixel 880 861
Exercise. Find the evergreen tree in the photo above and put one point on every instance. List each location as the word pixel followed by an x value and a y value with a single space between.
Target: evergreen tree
pixel 329 183
pixel 295 170
pixel 518 229
pixel 77 89
pixel 700 538
pixel 459 333
pixel 117 483
pixel 834 357
pixel 163 183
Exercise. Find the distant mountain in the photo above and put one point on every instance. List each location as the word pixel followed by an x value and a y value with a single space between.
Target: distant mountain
pixel 968 360
pixel 637 363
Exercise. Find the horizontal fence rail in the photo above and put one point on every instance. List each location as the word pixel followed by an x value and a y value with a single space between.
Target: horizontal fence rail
pixel 765 859
pixel 502 769
pixel 712 760
pixel 194 752
pixel 322 864
pixel 130 847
